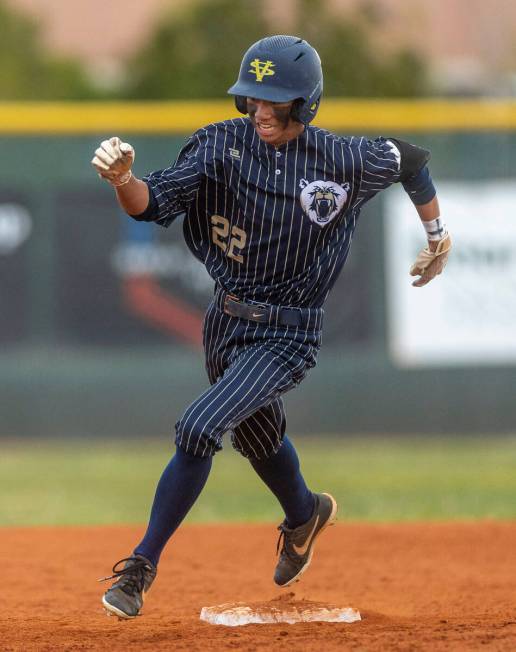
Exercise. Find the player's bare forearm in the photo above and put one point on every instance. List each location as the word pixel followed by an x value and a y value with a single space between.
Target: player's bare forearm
pixel 429 211
pixel 133 196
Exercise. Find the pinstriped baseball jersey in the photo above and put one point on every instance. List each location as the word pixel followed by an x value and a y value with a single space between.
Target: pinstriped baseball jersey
pixel 272 224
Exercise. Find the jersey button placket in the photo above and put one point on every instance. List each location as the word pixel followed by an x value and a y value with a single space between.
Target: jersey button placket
pixel 278 169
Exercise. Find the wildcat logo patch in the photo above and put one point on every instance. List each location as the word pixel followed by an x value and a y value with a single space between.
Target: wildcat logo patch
pixel 322 201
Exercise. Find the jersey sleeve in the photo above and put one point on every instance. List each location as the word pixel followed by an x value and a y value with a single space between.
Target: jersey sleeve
pixel 380 167
pixel 175 188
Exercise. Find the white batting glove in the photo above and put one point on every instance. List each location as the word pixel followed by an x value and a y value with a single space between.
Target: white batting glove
pixel 113 161
pixel 429 263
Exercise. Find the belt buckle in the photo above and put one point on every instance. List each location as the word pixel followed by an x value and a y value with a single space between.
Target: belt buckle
pixel 229 297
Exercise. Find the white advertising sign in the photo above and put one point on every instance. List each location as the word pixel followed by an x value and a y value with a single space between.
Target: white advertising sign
pixel 468 314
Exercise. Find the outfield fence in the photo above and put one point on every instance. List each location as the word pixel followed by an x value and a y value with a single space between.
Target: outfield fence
pixel 100 316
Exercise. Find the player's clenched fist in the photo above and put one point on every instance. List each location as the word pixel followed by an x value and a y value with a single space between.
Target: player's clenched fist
pixel 113 161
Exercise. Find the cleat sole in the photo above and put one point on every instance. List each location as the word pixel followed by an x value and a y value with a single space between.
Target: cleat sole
pixel 114 611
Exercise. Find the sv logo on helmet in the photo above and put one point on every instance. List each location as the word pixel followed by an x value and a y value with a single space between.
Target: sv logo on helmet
pixel 322 200
pixel 261 69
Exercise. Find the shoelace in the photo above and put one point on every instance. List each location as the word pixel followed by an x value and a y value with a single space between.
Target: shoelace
pixel 135 579
pixel 283 530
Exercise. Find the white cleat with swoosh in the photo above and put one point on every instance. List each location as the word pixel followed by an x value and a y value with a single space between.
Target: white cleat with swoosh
pixel 297 549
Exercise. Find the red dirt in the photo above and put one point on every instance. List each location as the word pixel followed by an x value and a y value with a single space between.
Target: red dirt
pixel 418 587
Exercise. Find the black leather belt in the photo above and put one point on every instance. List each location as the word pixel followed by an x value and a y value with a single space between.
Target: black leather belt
pixel 262 313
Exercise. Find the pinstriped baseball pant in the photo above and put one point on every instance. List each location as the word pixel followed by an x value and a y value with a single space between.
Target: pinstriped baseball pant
pixel 249 366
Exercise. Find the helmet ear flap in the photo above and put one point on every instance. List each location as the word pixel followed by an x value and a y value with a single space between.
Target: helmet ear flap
pixel 296 110
pixel 304 112
pixel 241 104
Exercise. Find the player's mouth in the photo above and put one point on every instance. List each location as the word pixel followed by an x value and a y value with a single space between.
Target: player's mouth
pixel 265 129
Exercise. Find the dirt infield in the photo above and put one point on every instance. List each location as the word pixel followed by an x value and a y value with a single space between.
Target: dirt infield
pixel 418 587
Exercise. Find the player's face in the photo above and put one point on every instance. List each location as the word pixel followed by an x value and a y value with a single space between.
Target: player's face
pixel 272 121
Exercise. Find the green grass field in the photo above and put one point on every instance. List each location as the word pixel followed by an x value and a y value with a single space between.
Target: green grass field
pixel 374 479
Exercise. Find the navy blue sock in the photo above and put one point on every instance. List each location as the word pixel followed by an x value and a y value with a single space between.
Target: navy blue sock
pixel 178 488
pixel 281 473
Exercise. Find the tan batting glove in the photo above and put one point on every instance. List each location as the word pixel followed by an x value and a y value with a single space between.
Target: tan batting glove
pixel 430 264
pixel 113 161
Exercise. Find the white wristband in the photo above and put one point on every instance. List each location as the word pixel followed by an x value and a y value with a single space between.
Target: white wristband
pixel 121 181
pixel 435 229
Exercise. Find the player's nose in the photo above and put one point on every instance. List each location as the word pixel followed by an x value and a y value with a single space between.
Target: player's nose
pixel 263 110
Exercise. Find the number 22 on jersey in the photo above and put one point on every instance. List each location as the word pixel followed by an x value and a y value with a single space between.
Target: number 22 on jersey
pixel 220 233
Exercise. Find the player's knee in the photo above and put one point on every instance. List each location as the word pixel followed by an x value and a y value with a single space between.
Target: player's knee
pixel 195 438
pixel 255 450
pixel 239 448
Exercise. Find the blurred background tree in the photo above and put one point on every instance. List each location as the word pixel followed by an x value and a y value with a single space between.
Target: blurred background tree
pixel 28 72
pixel 197 54
pixel 353 64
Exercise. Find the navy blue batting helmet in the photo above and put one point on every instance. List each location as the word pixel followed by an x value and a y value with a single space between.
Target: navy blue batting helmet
pixel 281 69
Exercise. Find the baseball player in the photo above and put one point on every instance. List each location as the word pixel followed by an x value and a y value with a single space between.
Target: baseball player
pixel 269 204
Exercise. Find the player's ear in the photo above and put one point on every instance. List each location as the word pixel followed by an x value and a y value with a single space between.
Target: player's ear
pixel 241 104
